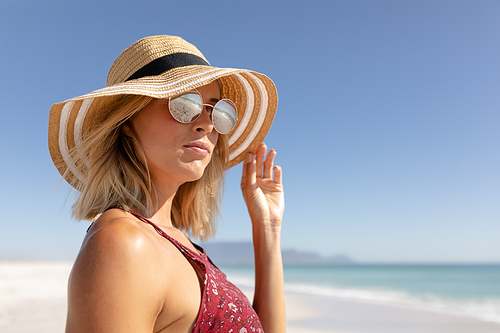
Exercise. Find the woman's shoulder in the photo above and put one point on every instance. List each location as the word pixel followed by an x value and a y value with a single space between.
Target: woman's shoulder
pixel 119 253
pixel 116 228
pixel 117 241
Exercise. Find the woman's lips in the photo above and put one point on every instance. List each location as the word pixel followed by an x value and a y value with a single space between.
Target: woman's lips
pixel 199 148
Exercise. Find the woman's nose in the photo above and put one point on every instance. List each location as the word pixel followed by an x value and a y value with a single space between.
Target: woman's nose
pixel 204 121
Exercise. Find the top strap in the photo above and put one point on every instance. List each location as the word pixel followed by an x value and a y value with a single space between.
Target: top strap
pixel 186 251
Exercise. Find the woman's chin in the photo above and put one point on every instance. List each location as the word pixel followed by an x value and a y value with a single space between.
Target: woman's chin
pixel 194 171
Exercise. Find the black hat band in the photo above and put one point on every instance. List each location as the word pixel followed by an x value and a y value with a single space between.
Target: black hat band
pixel 165 63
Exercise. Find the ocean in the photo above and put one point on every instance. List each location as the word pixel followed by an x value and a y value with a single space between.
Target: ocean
pixel 464 290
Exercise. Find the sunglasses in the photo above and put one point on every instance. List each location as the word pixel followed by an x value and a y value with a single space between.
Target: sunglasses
pixel 187 107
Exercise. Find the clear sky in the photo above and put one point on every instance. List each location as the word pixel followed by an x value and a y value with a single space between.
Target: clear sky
pixel 387 126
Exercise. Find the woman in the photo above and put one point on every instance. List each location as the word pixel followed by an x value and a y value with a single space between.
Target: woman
pixel 148 154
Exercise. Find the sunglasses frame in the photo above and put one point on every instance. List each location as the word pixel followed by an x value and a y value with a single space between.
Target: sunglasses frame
pixel 210 113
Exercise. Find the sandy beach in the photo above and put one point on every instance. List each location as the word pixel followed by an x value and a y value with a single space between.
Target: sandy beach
pixel 315 314
pixel 33 299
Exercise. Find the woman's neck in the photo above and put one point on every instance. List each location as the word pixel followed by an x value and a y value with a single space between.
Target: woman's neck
pixel 163 199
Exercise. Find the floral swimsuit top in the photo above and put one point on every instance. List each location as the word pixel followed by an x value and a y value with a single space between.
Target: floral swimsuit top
pixel 224 307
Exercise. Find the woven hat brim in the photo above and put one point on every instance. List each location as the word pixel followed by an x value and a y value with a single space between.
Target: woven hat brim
pixel 253 93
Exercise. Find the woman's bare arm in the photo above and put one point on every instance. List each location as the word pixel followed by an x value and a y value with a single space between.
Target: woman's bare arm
pixel 264 198
pixel 111 287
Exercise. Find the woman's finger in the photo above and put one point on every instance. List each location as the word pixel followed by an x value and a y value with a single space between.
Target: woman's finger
pixel 261 153
pixel 268 164
pixel 278 174
pixel 250 165
pixel 244 172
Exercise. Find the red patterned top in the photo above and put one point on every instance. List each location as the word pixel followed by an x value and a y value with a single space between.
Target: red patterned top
pixel 224 308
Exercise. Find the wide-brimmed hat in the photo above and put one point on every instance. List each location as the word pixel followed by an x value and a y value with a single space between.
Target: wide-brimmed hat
pixel 162 67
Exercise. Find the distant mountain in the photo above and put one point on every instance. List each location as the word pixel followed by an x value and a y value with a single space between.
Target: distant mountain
pixel 241 253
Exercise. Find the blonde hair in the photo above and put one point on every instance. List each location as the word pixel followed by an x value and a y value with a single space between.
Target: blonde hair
pixel 116 177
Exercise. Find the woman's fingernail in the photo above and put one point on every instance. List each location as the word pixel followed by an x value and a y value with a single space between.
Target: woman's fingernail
pixel 249 158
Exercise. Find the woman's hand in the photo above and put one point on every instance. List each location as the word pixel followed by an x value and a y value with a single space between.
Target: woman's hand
pixel 263 195
pixel 266 202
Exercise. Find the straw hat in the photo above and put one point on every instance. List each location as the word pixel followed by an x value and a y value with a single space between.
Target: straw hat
pixel 162 67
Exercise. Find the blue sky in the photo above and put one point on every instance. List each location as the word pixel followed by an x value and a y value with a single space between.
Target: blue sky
pixel 387 124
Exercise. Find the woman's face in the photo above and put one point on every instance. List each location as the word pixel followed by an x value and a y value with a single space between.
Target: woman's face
pixel 176 153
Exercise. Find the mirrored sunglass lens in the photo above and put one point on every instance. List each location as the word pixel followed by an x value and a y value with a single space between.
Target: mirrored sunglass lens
pixel 186 108
pixel 224 117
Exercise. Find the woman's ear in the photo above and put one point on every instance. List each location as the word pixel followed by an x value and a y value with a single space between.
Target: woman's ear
pixel 126 129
